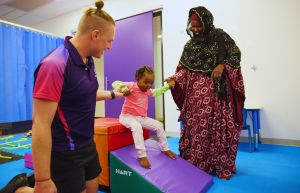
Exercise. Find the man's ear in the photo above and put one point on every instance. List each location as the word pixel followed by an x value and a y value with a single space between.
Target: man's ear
pixel 96 34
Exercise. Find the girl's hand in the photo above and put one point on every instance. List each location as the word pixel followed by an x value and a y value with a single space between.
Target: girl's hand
pixel 124 89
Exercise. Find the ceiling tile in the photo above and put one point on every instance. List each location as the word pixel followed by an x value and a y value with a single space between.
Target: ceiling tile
pixel 28 20
pixel 13 14
pixel 5 10
pixel 40 10
pixel 27 5
pixel 59 7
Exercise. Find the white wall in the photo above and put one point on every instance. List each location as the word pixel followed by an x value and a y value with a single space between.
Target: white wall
pixel 62 25
pixel 118 9
pixel 267 33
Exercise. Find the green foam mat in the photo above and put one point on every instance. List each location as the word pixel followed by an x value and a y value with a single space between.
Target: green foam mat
pixel 123 177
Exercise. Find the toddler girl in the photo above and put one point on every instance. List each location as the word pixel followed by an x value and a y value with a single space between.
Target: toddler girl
pixel 134 111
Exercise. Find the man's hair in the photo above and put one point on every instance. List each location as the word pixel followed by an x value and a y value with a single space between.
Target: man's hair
pixel 94 18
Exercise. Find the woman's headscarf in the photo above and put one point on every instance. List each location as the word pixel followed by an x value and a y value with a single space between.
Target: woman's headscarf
pixel 213 46
pixel 202 53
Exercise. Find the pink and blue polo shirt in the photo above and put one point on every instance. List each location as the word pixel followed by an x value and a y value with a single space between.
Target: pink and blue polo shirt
pixel 62 77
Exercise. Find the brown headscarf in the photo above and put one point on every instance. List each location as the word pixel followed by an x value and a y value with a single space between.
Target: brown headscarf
pixel 204 52
pixel 213 46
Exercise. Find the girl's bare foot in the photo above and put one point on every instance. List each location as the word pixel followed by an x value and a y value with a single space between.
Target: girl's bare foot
pixel 170 154
pixel 144 162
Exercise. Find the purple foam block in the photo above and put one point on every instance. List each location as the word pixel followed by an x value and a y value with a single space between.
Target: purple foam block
pixel 28 160
pixel 170 176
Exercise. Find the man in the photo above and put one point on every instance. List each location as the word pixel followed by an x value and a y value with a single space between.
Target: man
pixel 65 93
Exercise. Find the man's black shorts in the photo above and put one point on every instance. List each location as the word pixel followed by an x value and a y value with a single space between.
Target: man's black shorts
pixel 70 169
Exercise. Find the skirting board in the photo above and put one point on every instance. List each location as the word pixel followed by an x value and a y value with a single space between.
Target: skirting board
pixel 291 142
pixel 173 134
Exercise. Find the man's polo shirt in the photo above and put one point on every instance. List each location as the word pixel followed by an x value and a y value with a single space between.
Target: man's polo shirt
pixel 62 77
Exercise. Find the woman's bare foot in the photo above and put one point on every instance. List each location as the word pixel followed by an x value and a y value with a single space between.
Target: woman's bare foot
pixel 144 162
pixel 170 154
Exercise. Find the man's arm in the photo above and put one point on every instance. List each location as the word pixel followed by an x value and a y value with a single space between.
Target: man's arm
pixel 43 114
pixel 105 94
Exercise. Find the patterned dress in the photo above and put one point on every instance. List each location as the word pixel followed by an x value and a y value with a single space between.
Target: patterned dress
pixel 211 124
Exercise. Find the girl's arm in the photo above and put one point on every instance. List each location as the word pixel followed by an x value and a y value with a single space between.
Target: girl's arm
pixel 117 84
pixel 159 91
pixel 123 87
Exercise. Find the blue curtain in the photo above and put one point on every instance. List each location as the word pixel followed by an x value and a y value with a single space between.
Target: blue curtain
pixel 20 52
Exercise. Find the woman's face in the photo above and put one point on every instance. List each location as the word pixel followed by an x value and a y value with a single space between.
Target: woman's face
pixel 146 81
pixel 196 27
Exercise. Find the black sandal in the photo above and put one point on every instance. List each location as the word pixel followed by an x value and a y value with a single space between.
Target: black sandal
pixel 16 182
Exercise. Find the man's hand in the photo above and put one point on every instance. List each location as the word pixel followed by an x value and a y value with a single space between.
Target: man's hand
pixel 217 72
pixel 118 94
pixel 45 186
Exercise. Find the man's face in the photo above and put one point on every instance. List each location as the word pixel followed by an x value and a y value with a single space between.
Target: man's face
pixel 103 40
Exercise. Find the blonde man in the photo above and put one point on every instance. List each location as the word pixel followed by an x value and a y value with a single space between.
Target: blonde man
pixel 64 98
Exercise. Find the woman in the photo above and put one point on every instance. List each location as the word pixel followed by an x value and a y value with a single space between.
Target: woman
pixel 209 92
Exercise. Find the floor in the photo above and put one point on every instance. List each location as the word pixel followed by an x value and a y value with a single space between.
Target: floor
pixel 272 169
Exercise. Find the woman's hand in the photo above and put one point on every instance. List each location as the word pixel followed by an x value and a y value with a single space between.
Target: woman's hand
pixel 217 72
pixel 170 82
